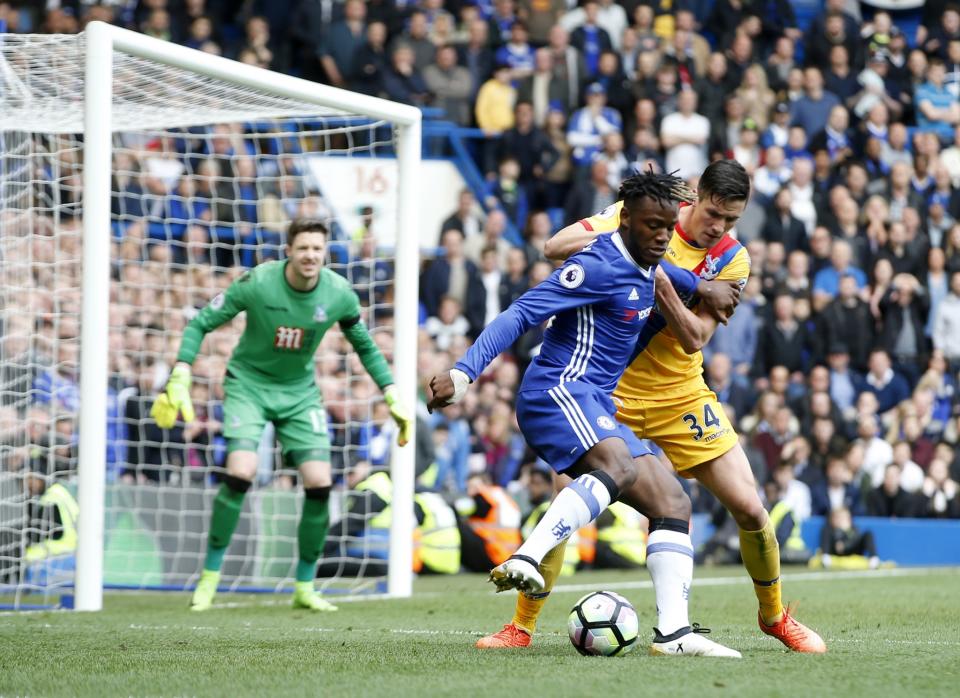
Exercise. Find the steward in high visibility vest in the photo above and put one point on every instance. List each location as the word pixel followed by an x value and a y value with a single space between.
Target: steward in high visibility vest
pixel 436 538
pixel 489 524
pixel 59 512
pixel 621 538
pixel 787 527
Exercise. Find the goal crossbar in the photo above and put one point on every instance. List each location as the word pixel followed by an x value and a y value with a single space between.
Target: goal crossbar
pixel 102 40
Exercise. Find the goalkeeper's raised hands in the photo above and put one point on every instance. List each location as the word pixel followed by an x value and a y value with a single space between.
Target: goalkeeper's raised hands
pixel 175 399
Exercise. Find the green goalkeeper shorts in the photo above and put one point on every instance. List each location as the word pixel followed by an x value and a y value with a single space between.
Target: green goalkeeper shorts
pixel 296 413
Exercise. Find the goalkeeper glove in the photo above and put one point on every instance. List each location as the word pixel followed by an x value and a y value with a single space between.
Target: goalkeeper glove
pixel 399 413
pixel 174 399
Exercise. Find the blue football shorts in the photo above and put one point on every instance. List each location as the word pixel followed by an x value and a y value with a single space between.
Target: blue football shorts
pixel 563 423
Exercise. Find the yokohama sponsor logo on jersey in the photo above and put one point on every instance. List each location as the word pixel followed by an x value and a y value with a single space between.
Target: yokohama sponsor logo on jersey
pixel 288 338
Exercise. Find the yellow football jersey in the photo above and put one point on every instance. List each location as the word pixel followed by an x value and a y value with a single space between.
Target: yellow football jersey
pixel 662 369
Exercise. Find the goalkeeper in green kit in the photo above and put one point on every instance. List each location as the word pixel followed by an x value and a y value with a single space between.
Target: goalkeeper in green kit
pixel 290 304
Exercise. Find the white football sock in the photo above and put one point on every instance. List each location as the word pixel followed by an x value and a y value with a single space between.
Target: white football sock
pixel 578 504
pixel 670 561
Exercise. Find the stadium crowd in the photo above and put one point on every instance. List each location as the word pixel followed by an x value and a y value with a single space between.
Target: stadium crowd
pixel 839 366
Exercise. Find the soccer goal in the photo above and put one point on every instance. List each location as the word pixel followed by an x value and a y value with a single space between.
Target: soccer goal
pixel 138 178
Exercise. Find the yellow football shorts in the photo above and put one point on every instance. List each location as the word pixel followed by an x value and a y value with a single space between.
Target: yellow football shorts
pixel 691 429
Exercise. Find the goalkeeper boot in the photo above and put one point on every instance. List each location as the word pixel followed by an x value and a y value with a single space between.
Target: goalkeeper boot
pixel 205 590
pixel 689 641
pixel 518 572
pixel 512 636
pixel 794 634
pixel 305 596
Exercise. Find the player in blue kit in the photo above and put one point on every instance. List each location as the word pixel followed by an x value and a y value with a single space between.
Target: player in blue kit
pixel 600 300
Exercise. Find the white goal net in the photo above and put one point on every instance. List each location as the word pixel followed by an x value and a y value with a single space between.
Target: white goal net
pixel 208 164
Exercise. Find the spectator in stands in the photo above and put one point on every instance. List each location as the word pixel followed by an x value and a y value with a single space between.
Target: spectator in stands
pixel 372 61
pixel 844 546
pixel 450 85
pixel 890 499
pixel 456 276
pixel 730 389
pixel 495 102
pixel 835 137
pixel 939 38
pixel 812 111
pixel 506 191
pixel 783 340
pixel 946 322
pixel 684 135
pixel 836 491
pixel 468 218
pixel 771 177
pixel 402 81
pixel 888 385
pixel 491 236
pixel 588 125
pixel 541 88
pixel 801 194
pixel 532 149
pixel 714 87
pixel 448 324
pixel 942 494
pixel 591 195
pixel 780 63
pixel 517 52
pixel 738 338
pixel 476 55
pixel 937 109
pixel 826 283
pixel 590 39
pixel 904 310
pixel 846 384
pixel 847 321
pixel 541 17
pixel 342 43
pixel 568 66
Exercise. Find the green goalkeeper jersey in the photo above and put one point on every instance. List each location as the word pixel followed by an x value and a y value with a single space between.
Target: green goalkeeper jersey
pixel 284 326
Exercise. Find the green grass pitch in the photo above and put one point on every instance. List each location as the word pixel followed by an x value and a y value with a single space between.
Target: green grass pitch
pixel 890 633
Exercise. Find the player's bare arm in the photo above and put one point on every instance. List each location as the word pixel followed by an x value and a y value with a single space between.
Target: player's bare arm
pixel 568 241
pixel 694 329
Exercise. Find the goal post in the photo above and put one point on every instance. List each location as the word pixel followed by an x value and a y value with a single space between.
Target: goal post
pixel 112 106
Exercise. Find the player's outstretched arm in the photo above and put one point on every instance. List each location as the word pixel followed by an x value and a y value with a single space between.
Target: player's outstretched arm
pixel 175 398
pixel 581 282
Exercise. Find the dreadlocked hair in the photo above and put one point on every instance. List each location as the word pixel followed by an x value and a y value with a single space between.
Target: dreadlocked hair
pixel 665 188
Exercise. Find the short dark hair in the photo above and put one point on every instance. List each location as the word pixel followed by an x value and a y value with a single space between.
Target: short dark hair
pixel 724 180
pixel 305 225
pixel 665 188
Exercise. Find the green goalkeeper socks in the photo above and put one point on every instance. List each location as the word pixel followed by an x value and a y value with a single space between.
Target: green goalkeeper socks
pixel 312 532
pixel 227 506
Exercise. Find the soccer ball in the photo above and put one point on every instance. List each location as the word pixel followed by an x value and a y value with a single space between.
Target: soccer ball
pixel 603 623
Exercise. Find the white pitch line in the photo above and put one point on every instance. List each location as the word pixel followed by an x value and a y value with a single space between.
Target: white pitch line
pixel 743 579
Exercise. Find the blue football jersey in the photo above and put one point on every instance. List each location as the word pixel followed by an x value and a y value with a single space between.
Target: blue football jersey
pixel 599 300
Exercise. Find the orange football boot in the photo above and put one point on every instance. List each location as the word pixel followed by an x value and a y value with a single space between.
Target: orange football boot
pixel 794 634
pixel 510 637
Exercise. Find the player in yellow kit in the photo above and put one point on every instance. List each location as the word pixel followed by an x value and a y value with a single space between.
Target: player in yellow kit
pixel 663 397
